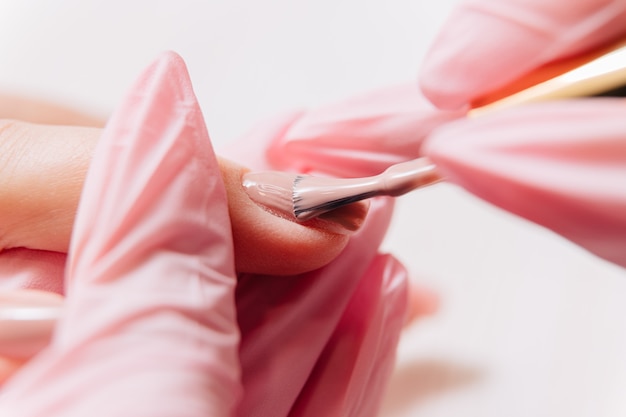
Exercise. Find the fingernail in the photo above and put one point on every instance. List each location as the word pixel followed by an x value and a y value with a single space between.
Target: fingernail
pixel 273 191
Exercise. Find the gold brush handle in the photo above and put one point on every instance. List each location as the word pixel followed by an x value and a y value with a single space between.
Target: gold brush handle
pixel 592 74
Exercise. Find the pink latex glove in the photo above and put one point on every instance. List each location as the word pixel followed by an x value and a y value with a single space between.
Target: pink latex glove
pixel 360 136
pixel 156 322
pixel 561 164
pixel 487 44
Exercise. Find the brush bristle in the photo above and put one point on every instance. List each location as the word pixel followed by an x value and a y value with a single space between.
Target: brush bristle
pixel 313 196
pixel 284 194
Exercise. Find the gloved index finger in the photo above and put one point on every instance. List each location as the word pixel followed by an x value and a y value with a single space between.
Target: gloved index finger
pixel 487 44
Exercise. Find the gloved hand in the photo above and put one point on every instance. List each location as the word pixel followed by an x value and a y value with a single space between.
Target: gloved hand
pixel 487 44
pixel 156 320
pixel 560 164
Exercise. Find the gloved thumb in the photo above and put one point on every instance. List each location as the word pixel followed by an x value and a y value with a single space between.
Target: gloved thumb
pixel 149 324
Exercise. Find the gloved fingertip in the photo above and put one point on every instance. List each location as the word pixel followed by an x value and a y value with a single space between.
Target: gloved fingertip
pixel 444 98
pixel 480 49
pixel 441 83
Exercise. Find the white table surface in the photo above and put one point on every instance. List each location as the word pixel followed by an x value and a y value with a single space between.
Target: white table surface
pixel 529 326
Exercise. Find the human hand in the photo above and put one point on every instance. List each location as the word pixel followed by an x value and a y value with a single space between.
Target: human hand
pixel 561 164
pixel 42 170
pixel 150 311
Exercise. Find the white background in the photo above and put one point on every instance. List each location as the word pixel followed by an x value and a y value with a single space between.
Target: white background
pixel 529 326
